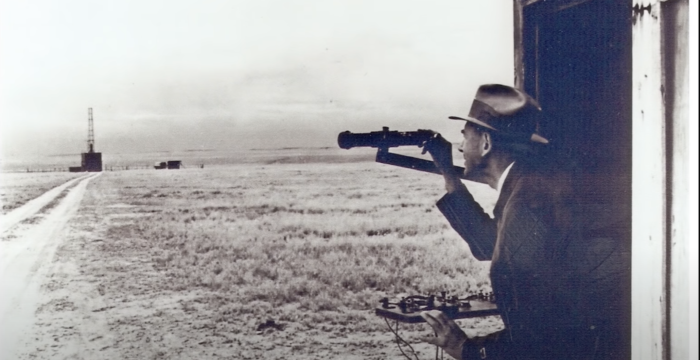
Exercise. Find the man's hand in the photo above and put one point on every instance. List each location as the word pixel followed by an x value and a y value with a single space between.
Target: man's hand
pixel 448 335
pixel 441 152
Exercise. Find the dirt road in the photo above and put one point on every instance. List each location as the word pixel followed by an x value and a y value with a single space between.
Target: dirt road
pixel 30 237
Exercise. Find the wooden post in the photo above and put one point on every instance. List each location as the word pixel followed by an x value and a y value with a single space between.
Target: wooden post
pixel 649 208
pixel 675 31
pixel 519 51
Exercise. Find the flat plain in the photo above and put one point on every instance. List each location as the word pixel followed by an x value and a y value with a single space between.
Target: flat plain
pixel 19 187
pixel 274 261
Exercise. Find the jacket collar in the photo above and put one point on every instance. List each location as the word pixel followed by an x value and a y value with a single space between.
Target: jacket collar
pixel 506 189
pixel 503 177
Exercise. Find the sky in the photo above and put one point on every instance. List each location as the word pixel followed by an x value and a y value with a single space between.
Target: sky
pixel 220 74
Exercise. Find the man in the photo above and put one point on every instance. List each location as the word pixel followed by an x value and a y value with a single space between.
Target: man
pixel 559 248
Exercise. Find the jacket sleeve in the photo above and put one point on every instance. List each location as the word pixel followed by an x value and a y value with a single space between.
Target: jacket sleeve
pixel 471 222
pixel 491 346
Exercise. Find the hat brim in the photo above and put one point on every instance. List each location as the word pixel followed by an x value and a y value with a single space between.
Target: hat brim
pixel 534 137
pixel 476 121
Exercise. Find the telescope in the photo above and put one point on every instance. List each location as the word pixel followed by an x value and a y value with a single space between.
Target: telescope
pixel 385 139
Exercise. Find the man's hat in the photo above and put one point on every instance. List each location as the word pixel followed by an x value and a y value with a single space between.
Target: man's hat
pixel 506 110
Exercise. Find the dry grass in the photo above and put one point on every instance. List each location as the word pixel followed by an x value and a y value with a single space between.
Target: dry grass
pixel 312 246
pixel 18 188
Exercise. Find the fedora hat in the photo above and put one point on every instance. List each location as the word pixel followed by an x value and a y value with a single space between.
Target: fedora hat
pixel 506 110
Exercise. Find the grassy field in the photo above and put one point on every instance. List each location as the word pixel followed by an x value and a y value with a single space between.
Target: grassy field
pixel 190 263
pixel 18 188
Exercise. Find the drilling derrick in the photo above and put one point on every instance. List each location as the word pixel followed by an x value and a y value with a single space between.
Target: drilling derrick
pixel 91 160
pixel 91 133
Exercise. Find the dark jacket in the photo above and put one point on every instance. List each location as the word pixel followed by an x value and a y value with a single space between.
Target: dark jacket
pixel 559 246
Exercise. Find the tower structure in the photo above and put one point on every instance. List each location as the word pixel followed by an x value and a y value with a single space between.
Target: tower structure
pixel 91 133
pixel 91 160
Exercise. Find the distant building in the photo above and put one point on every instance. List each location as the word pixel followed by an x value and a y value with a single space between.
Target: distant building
pixel 174 164
pixel 170 164
pixel 91 161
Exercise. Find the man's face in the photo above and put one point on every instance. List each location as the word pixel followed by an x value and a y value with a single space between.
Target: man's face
pixel 471 149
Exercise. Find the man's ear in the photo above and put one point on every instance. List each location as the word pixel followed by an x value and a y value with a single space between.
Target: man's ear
pixel 486 143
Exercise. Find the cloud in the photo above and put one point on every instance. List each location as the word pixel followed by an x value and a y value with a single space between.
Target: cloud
pixel 162 74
